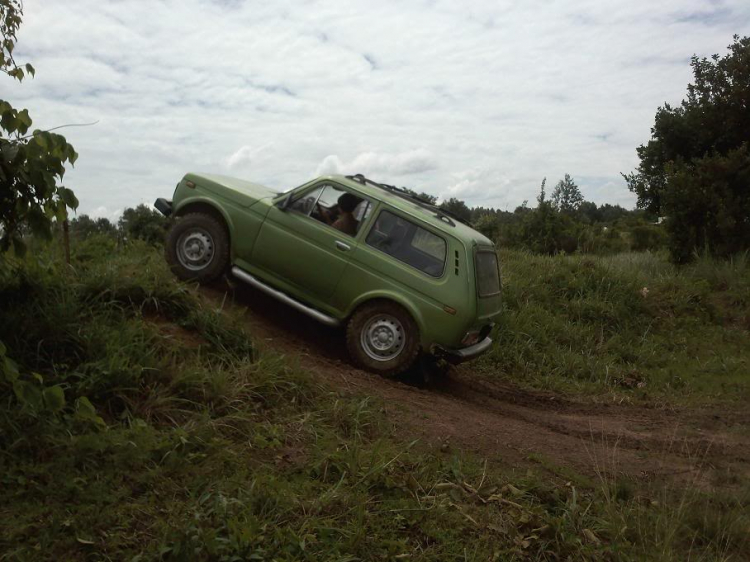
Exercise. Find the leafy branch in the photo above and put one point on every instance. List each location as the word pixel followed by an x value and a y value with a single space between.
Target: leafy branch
pixel 30 165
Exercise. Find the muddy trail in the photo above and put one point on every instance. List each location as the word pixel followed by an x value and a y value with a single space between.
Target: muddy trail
pixel 705 447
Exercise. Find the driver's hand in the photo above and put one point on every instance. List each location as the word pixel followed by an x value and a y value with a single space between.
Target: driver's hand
pixel 323 212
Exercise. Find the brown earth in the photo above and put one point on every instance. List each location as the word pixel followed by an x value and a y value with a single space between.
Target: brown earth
pixel 491 416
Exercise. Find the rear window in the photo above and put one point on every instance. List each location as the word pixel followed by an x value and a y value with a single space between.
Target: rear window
pixel 409 243
pixel 488 275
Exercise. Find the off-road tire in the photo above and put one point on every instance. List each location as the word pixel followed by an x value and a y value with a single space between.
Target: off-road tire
pixel 364 317
pixel 215 238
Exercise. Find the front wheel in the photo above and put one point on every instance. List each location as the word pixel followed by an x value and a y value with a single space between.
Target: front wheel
pixel 197 248
pixel 383 338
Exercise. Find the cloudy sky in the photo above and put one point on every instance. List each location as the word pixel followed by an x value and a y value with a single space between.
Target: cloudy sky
pixel 477 99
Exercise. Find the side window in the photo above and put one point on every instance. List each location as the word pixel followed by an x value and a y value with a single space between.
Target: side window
pixel 340 209
pixel 409 243
pixel 306 203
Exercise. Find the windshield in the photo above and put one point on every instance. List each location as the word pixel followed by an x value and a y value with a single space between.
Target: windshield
pixel 488 275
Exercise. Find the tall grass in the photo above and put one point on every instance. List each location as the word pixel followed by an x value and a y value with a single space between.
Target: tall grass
pixel 176 440
pixel 629 324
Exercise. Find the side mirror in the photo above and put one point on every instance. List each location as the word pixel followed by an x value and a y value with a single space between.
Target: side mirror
pixel 283 204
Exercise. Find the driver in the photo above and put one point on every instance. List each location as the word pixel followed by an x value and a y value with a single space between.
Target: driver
pixel 345 222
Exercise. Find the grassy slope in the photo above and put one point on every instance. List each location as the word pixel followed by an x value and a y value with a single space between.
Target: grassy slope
pixel 201 449
pixel 629 324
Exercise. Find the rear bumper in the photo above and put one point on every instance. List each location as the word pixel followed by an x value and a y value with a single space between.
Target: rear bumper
pixel 164 206
pixel 456 356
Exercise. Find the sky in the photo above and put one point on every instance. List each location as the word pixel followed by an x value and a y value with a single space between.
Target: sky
pixel 478 100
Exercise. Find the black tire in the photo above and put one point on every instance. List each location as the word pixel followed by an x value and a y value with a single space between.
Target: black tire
pixel 389 321
pixel 207 257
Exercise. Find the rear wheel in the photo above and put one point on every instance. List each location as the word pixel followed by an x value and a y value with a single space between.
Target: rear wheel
pixel 197 248
pixel 383 338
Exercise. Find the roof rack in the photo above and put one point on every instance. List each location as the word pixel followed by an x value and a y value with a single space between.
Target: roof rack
pixel 441 214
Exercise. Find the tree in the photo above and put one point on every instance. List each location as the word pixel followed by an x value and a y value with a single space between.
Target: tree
pixel 84 226
pixel 30 165
pixel 489 225
pixel 566 197
pixel 431 199
pixel 458 208
pixel 544 230
pixel 144 223
pixel 589 212
pixel 693 171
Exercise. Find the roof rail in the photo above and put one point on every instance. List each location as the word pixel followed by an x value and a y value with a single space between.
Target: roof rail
pixel 441 214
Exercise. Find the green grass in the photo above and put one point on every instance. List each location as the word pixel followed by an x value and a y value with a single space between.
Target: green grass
pixel 630 324
pixel 170 437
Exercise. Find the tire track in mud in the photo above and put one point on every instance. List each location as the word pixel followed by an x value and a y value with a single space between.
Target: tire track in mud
pixel 501 421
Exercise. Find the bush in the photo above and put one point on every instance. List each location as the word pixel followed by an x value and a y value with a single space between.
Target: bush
pixel 647 237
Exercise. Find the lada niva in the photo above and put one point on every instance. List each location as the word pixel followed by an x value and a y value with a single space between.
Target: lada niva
pixel 402 275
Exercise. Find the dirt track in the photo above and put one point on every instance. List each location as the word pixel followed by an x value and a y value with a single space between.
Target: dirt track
pixel 706 447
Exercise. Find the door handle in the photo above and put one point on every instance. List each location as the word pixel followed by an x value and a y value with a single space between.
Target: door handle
pixel 342 246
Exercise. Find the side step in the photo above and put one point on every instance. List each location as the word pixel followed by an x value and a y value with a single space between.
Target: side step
pixel 286 299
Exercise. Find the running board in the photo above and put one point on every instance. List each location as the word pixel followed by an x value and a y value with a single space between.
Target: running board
pixel 286 299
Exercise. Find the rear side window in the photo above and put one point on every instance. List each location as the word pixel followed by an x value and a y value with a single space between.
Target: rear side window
pixel 409 243
pixel 488 275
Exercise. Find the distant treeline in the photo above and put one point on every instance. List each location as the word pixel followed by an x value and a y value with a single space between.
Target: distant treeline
pixel 139 223
pixel 564 223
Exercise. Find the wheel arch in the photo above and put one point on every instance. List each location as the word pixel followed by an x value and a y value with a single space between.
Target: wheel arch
pixel 207 208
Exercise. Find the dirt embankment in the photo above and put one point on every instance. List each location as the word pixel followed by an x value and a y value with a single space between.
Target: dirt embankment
pixel 703 447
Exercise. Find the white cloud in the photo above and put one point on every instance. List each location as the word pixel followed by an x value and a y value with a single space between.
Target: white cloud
pixel 388 165
pixel 247 156
pixel 480 100
pixel 104 212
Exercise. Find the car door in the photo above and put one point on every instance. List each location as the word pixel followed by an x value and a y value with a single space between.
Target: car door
pixel 298 246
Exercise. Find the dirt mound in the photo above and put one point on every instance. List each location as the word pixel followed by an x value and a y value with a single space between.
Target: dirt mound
pixel 502 422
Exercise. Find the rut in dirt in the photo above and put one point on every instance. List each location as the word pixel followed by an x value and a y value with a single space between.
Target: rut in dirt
pixel 498 420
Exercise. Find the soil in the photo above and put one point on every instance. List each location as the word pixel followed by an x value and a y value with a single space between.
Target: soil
pixel 488 414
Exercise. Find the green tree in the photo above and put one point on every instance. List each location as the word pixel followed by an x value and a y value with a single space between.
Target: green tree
pixel 489 225
pixel 566 197
pixel 30 164
pixel 589 212
pixel 457 208
pixel 84 226
pixel 143 223
pixel 694 170
pixel 421 195
pixel 544 230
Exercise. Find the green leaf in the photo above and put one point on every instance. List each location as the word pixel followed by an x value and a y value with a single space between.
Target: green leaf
pixel 42 138
pixel 84 408
pixel 71 154
pixel 10 368
pixel 16 73
pixel 30 69
pixel 9 150
pixel 24 121
pixel 54 398
pixel 68 197
pixel 85 411
pixel 28 394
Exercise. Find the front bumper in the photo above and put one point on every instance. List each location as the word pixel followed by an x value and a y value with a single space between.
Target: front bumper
pixel 164 206
pixel 456 356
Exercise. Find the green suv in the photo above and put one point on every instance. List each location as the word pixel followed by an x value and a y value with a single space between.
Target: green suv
pixel 404 277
